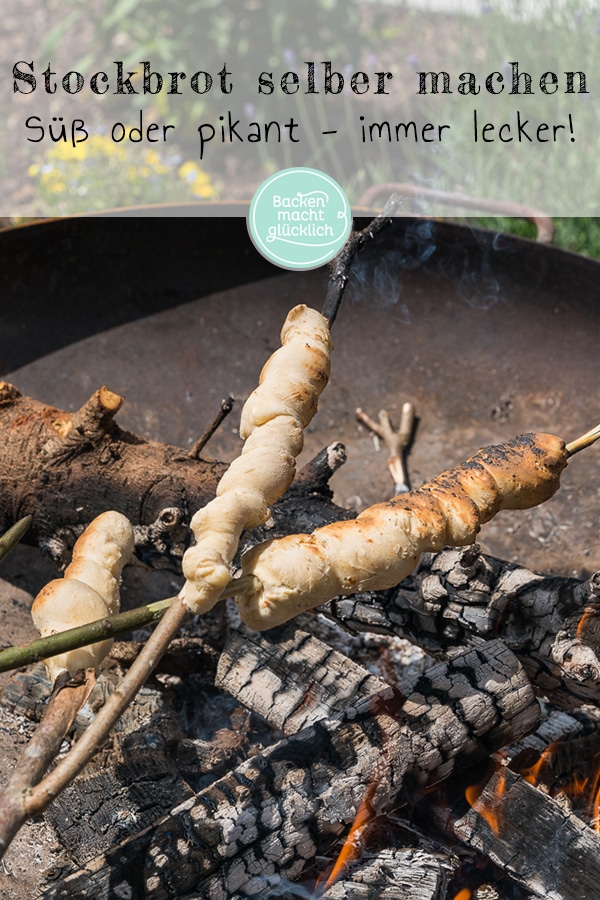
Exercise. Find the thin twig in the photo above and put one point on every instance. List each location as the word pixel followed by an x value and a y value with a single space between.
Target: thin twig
pixel 394 441
pixel 226 407
pixel 339 267
pixel 321 468
pixel 65 702
pixel 14 535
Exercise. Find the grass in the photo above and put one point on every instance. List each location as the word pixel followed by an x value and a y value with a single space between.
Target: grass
pixel 580 235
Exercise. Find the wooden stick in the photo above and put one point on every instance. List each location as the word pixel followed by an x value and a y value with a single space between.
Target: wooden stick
pixel 15 800
pixel 12 537
pixel 92 740
pixel 26 798
pixel 339 267
pixel 585 440
pixel 100 629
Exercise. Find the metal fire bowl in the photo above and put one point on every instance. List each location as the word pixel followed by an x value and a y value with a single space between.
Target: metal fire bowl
pixel 489 336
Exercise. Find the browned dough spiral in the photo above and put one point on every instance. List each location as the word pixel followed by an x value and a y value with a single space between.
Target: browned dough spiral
pixel 382 545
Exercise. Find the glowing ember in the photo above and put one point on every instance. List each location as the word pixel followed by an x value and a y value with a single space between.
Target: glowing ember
pixel 465 894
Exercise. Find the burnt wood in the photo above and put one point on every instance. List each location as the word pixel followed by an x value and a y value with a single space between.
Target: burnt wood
pixel 412 874
pixel 461 596
pixel 272 814
pixel 543 846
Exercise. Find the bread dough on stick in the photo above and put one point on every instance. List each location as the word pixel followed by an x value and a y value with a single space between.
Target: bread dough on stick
pixel 272 422
pixel 379 548
pixel 89 590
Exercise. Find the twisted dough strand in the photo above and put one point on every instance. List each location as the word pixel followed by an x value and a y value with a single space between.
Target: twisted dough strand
pixel 272 421
pixel 382 545
pixel 89 590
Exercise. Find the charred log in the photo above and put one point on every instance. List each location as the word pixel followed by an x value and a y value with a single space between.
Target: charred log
pixel 532 837
pixel 412 874
pixel 460 597
pixel 526 812
pixel 271 815
pixel 291 678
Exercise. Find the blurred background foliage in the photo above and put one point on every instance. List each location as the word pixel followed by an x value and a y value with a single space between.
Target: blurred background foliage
pixel 250 36
pixel 100 174
pixel 206 34
pixel 580 235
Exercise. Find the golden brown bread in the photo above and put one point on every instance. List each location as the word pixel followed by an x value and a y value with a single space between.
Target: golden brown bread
pixel 382 545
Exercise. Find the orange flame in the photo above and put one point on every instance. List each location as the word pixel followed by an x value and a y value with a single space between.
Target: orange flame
pixel 491 813
pixel 594 803
pixel 577 789
pixel 532 773
pixel 465 894
pixel 588 613
pixel 353 844
pixel 595 812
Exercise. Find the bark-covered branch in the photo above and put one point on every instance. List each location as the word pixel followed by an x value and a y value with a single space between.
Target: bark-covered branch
pixel 65 702
pixel 65 468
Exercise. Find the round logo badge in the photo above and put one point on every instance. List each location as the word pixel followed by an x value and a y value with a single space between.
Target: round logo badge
pixel 299 218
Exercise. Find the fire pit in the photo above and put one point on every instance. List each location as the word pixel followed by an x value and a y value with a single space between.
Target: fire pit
pixel 488 336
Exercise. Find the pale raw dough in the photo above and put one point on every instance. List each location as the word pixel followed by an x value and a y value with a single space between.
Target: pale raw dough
pixel 89 590
pixel 272 421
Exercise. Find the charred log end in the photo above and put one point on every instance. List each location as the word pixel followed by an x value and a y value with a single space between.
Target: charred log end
pixel 316 473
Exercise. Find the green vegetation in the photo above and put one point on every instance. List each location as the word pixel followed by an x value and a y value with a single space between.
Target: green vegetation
pixel 580 235
pixel 100 174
